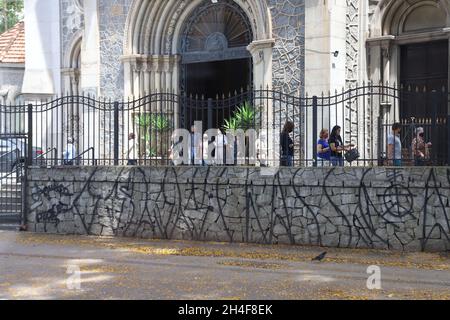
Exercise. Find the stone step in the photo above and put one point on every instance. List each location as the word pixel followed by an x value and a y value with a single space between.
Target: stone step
pixel 10 207
pixel 9 200
pixel 10 180
pixel 10 218
pixel 14 187
pixel 8 194
pixel 9 227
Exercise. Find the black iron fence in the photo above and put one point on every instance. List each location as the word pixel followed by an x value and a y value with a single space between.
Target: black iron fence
pixel 82 130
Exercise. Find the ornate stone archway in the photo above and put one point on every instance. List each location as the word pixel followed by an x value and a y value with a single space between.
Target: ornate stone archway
pixel 398 22
pixel 214 41
pixel 153 36
pixel 399 30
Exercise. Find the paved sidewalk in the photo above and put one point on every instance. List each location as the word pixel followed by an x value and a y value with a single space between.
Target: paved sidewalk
pixel 35 267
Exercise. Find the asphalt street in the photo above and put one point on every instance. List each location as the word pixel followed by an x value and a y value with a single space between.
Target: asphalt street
pixel 34 266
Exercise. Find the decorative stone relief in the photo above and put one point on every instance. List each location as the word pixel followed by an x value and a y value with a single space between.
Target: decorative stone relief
pixel 72 21
pixel 352 43
pixel 111 46
pixel 288 18
pixel 171 29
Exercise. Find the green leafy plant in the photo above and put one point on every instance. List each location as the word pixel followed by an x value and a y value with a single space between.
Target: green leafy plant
pixel 154 134
pixel 231 124
pixel 153 122
pixel 11 12
pixel 243 118
pixel 152 153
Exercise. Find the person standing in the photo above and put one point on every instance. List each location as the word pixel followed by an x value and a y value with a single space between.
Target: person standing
pixel 69 153
pixel 337 147
pixel 131 154
pixel 323 149
pixel 287 145
pixel 420 149
pixel 395 146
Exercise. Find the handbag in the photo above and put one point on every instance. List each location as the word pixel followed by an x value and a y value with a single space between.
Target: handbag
pixel 352 155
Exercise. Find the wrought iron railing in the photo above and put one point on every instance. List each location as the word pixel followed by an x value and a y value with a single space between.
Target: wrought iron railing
pixel 141 131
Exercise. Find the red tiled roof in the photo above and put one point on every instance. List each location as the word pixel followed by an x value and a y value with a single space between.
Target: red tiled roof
pixel 12 44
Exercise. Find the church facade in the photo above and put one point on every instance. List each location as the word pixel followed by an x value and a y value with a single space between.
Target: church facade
pixel 127 49
pixel 117 48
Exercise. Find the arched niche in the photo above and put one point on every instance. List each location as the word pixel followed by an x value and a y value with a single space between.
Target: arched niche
pixel 72 66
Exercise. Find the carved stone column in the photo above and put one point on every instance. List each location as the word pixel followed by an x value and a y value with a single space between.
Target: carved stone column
pixel 167 67
pixel 262 51
pixel 128 63
pixel 136 67
pixel 146 69
pixel 71 81
pixel 156 67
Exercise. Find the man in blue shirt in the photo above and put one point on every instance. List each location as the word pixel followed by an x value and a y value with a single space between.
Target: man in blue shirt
pixel 395 146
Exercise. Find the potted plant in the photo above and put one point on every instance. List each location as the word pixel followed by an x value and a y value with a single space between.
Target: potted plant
pixel 243 118
pixel 154 137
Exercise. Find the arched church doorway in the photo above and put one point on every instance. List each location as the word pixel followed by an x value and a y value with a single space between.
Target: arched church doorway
pixel 215 62
pixel 409 45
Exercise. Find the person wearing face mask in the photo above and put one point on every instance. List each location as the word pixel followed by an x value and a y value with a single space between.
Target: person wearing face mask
pixel 323 149
pixel 420 149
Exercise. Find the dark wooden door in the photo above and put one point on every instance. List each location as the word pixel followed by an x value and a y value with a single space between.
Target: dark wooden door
pixel 424 69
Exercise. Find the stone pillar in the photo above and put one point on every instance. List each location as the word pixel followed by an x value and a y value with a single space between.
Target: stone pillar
pixel 262 51
pixel 167 69
pixel 67 80
pixel 90 49
pixel 325 33
pixel 42 76
pixel 136 78
pixel 175 88
pixel 157 72
pixel 128 63
pixel 146 70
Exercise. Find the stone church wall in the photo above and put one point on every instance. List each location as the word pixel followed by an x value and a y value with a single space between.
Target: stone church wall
pixel 385 208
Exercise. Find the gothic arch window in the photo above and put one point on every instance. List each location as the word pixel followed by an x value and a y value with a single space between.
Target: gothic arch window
pixel 216 31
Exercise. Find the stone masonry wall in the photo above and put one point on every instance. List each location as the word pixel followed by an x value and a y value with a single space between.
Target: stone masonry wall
pixel 405 209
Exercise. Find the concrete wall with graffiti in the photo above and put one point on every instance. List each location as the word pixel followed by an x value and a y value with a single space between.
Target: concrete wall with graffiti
pixel 405 209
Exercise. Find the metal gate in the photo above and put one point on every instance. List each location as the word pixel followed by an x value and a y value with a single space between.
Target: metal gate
pixel 417 109
pixel 14 154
